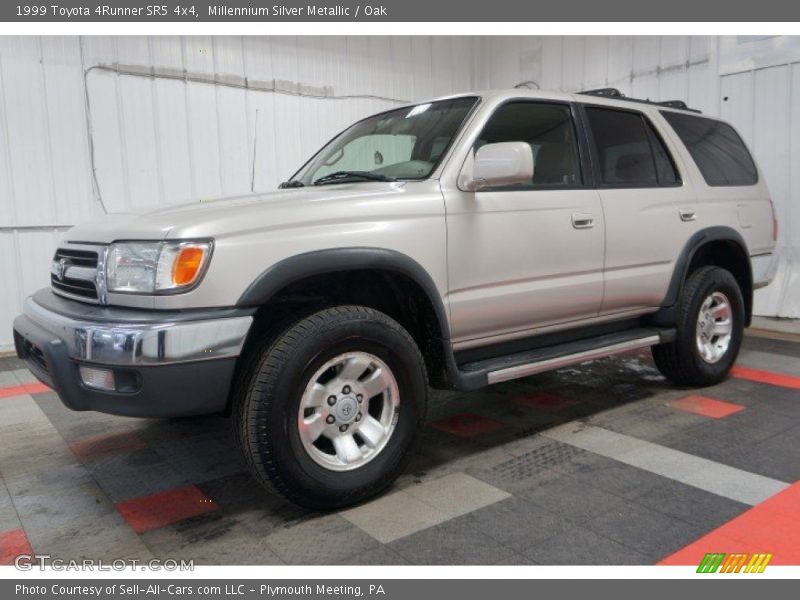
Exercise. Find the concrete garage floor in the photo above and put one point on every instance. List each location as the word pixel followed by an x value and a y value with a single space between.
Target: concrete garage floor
pixel 605 463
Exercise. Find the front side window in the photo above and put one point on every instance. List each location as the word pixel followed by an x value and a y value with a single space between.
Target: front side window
pixel 399 144
pixel 716 148
pixel 629 150
pixel 550 132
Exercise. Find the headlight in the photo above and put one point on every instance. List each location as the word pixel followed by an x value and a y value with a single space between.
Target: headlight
pixel 155 267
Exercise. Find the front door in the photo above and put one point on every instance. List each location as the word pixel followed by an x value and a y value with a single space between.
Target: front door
pixel 526 256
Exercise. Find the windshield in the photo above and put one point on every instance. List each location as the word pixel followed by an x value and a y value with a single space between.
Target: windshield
pixel 406 143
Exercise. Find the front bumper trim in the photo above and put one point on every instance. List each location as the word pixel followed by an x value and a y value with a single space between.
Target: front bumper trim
pixel 168 364
pixel 140 344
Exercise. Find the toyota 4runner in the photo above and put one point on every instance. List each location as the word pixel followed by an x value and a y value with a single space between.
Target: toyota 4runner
pixel 455 243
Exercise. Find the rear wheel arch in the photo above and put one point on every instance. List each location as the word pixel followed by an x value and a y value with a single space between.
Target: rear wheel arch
pixel 718 246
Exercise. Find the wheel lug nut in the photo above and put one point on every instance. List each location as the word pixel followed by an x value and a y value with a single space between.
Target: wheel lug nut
pixel 330 420
pixel 346 389
pixel 360 397
pixel 343 428
pixel 358 417
pixel 331 400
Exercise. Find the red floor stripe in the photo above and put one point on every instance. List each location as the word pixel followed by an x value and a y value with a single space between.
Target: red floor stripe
pixel 26 388
pixel 467 425
pixel 165 508
pixel 13 543
pixel 770 527
pixel 779 379
pixel 706 407
pixel 544 401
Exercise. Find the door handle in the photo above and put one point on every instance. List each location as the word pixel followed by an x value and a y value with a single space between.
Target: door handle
pixel 582 220
pixel 687 214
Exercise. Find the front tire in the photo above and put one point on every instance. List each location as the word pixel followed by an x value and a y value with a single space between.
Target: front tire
pixel 331 407
pixel 709 330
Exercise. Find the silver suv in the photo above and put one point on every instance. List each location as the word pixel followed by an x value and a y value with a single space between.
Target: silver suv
pixel 455 243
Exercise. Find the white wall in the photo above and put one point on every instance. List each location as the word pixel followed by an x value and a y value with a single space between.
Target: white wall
pixel 752 81
pixel 160 138
pixel 184 119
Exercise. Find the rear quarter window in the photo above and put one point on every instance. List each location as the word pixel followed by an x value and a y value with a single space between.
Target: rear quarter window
pixel 716 148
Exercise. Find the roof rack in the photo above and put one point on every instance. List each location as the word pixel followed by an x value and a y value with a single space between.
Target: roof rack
pixel 617 95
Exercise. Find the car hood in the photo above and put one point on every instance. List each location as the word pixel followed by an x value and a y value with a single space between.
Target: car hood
pixel 233 215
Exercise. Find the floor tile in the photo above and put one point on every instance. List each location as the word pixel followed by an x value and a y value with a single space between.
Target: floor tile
pixel 768 377
pixel 545 401
pixel 456 494
pixel 322 540
pixel 157 510
pixel 705 406
pixel 772 526
pixel 94 446
pixel 19 390
pixel 12 544
pixel 580 546
pixel 467 425
pixel 647 531
pixel 396 515
pixel 691 504
pixel 572 499
pixel 515 523
pixel 705 474
pixel 451 544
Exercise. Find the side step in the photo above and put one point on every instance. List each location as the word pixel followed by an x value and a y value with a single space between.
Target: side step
pixel 548 358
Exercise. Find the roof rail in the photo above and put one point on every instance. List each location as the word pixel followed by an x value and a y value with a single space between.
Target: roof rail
pixel 608 92
pixel 617 95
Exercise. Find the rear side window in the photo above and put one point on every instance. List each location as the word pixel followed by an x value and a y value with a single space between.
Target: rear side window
pixel 630 152
pixel 719 152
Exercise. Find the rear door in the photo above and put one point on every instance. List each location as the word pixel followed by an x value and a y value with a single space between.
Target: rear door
pixel 649 209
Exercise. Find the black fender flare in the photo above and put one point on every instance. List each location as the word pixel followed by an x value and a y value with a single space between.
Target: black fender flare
pixel 667 314
pixel 320 262
pixel 700 238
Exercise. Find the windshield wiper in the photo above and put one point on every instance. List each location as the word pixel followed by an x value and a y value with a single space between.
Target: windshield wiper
pixel 292 183
pixel 342 175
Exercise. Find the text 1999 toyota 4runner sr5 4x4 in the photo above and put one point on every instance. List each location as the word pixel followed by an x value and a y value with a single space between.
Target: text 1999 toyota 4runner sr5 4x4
pixel 457 243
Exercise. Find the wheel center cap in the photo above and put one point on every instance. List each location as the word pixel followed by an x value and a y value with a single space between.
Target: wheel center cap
pixel 346 409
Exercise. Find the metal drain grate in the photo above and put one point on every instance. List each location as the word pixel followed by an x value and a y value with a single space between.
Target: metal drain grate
pixel 547 457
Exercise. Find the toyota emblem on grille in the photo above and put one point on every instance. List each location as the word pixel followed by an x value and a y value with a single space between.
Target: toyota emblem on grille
pixel 61 268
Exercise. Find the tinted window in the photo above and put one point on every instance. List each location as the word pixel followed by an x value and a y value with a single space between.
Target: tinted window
pixel 629 149
pixel 717 149
pixel 550 132
pixel 665 169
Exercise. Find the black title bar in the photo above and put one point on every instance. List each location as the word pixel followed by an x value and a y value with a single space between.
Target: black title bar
pixel 192 11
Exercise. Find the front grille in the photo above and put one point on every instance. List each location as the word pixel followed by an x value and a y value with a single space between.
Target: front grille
pixel 74 273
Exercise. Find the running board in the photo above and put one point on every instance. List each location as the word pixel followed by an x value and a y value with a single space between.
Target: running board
pixel 549 358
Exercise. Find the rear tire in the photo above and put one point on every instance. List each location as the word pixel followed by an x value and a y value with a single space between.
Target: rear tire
pixel 330 408
pixel 709 330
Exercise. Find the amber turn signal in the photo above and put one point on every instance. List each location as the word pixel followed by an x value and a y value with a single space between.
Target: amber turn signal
pixel 187 265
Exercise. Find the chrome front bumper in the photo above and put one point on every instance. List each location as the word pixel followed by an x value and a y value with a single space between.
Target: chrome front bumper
pixel 140 344
pixel 164 363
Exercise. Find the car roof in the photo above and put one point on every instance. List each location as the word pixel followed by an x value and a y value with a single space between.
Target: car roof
pixel 587 98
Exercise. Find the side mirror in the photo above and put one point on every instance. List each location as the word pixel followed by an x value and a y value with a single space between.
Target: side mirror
pixel 504 163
